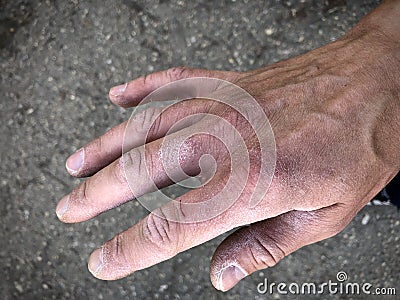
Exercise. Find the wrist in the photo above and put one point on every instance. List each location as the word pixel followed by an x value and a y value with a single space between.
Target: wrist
pixel 379 35
pixel 381 28
pixel 383 22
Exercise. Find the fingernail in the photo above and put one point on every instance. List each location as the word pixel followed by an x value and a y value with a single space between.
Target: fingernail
pixel 96 261
pixel 230 277
pixel 62 207
pixel 118 90
pixel 75 161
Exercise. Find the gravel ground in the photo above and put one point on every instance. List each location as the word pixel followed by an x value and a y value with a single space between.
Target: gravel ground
pixel 59 58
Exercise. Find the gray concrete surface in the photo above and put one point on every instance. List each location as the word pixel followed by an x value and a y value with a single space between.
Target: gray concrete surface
pixel 59 58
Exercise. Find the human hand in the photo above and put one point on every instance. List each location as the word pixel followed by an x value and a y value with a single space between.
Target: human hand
pixel 332 113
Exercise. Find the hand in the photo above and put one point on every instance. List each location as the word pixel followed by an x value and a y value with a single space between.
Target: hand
pixel 333 112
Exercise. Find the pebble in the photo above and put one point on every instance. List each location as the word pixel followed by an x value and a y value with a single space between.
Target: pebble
pixel 365 219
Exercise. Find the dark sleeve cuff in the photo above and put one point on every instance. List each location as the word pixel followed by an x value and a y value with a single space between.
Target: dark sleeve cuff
pixel 391 192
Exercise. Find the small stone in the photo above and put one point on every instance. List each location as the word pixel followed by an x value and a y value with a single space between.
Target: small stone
pixel 163 287
pixel 366 219
pixel 269 31
pixel 18 287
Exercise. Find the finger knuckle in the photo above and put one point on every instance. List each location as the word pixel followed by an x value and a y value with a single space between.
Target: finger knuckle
pixel 116 253
pixel 177 73
pixel 118 172
pixel 160 233
pixel 98 147
pixel 265 253
pixel 132 160
pixel 148 121
pixel 120 247
pixel 132 167
pixel 80 196
pixel 148 79
pixel 84 194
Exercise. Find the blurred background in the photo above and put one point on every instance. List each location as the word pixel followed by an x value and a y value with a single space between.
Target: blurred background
pixel 58 59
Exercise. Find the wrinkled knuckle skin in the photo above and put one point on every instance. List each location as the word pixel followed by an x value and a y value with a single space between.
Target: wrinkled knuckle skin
pixel 79 197
pixel 264 253
pixel 133 166
pixel 132 161
pixel 147 79
pixel 81 203
pixel 148 120
pixel 161 234
pixel 119 247
pixel 116 257
pixel 177 73
pixel 118 173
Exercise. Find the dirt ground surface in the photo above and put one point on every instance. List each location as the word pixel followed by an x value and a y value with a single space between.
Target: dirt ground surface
pixel 58 60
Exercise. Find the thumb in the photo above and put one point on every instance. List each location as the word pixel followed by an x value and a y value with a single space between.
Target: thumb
pixel 263 244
